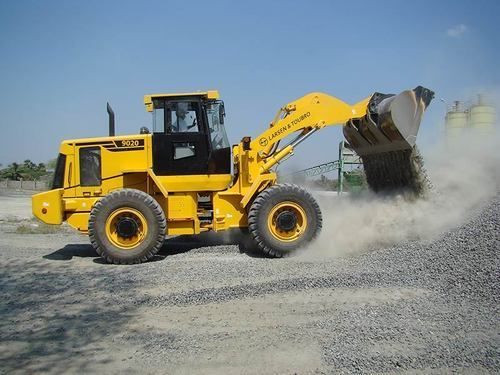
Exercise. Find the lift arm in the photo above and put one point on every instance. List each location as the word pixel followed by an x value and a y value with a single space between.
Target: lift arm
pixel 306 115
pixel 377 128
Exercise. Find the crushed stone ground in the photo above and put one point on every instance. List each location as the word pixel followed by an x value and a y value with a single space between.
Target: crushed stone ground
pixel 205 306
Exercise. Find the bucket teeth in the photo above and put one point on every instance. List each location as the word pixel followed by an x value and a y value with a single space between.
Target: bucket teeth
pixel 353 136
pixel 368 129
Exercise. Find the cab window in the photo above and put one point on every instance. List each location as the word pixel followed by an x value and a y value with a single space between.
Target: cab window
pixel 218 134
pixel 90 166
pixel 176 116
pixel 183 117
pixel 58 180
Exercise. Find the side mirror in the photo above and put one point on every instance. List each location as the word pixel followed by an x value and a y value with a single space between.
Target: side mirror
pixel 222 113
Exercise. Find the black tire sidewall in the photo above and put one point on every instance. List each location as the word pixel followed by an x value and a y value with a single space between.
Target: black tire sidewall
pixel 126 199
pixel 298 196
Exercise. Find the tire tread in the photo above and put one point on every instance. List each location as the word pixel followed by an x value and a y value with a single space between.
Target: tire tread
pixel 253 216
pixel 128 194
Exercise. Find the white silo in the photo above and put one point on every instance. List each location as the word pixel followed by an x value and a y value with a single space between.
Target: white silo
pixel 456 120
pixel 482 117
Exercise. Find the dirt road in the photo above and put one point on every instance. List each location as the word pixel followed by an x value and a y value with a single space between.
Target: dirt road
pixel 205 306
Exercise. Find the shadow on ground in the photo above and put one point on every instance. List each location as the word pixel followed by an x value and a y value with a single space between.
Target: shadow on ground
pixel 54 320
pixel 172 246
pixel 182 244
pixel 72 250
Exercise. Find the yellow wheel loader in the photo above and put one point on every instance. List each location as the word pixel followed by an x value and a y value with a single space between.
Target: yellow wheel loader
pixel 183 178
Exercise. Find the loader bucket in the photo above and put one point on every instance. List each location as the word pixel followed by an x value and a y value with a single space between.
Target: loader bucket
pixel 385 140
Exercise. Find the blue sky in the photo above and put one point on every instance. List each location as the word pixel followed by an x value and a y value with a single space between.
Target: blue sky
pixel 62 60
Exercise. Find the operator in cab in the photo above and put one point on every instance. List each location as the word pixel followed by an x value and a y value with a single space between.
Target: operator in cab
pixel 185 120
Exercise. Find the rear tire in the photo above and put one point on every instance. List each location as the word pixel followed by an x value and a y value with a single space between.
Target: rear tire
pixel 127 226
pixel 284 218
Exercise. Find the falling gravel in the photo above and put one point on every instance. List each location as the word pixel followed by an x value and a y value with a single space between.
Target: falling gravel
pixel 400 172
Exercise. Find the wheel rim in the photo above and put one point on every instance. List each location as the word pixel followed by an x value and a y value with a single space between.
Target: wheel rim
pixel 126 228
pixel 287 221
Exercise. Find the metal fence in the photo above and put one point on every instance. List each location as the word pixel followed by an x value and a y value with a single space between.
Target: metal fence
pixel 23 185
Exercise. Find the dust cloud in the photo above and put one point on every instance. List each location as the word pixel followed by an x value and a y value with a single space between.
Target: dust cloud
pixel 464 173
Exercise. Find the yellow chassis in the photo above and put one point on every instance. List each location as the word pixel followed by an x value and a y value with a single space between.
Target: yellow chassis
pixel 178 195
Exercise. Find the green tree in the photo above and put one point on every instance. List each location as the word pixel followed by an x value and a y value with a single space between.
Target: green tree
pixel 12 172
pixel 26 171
pixel 29 165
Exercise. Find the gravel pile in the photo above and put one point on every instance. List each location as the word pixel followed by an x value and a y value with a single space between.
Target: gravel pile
pixel 429 306
pixel 454 325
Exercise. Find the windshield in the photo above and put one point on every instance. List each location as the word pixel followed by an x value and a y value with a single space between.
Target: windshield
pixel 217 130
pixel 175 116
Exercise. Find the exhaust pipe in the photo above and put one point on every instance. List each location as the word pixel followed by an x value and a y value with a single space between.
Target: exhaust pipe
pixel 111 116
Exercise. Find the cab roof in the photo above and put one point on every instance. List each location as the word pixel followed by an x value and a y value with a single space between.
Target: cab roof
pixel 148 99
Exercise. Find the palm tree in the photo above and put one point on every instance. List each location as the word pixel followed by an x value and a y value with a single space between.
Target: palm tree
pixel 28 164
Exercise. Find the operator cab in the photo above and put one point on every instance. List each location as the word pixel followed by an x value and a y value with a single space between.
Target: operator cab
pixel 189 137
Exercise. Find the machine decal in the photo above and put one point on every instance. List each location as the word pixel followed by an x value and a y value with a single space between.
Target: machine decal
pixel 130 143
pixel 98 143
pixel 120 145
pixel 126 145
pixel 288 126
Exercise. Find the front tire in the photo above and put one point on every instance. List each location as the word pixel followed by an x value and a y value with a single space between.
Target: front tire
pixel 284 218
pixel 127 226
